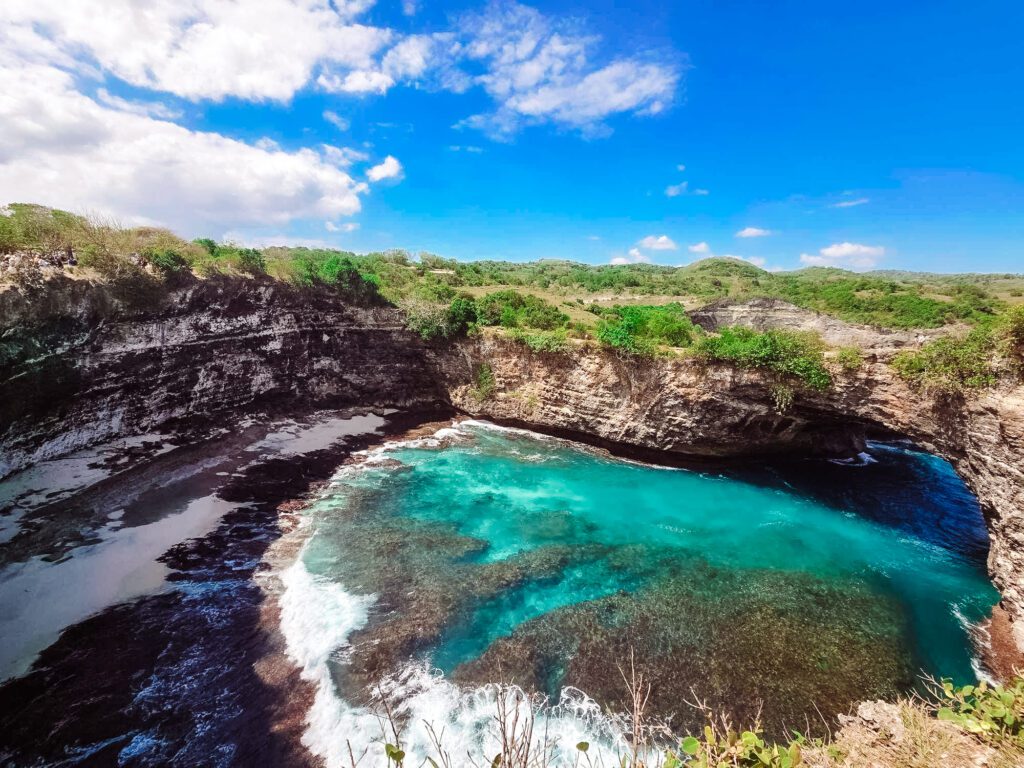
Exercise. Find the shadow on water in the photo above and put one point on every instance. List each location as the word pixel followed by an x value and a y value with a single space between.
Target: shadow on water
pixel 176 677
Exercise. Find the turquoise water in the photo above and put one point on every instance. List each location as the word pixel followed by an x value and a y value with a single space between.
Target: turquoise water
pixel 802 584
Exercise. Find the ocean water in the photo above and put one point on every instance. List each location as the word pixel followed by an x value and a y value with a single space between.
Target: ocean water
pixel 444 566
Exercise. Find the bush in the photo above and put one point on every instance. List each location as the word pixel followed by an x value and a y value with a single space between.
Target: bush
pixel 512 309
pixel 436 321
pixel 849 358
pixel 1013 333
pixel 787 353
pixel 640 329
pixel 951 364
pixel 483 382
pixel 992 713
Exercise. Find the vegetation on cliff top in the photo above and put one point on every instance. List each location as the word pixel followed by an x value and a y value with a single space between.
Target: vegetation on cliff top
pixel 962 362
pixel 888 299
pixel 638 308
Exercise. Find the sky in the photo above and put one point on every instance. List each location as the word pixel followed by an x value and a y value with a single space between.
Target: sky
pixel 868 135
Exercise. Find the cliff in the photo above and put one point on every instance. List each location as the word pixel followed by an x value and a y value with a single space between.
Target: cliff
pixel 80 364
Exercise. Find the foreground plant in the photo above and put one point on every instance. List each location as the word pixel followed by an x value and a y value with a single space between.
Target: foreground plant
pixel 993 713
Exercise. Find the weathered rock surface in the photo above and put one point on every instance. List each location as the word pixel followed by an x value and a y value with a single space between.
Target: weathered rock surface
pixel 76 367
pixel 766 313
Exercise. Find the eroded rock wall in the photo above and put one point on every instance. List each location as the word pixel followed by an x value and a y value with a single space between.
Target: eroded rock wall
pixel 76 367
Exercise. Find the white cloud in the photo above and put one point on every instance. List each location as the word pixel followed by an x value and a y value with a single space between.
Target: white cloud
pixel 539 69
pixel 249 239
pixel 361 81
pixel 61 148
pixel 850 203
pixel 845 255
pixel 336 120
pixel 680 168
pixel 146 108
pixel 201 49
pixel 683 188
pixel 658 243
pixel 474 150
pixel 390 168
pixel 754 232
pixel 700 247
pixel 343 156
pixel 593 237
pixel 634 256
pixel 348 226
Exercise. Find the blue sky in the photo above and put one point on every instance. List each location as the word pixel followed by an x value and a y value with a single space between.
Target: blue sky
pixel 862 134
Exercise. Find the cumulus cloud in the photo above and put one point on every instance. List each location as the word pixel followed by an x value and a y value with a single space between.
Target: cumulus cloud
pixel 845 255
pixel 658 243
pixel 850 203
pixel 536 68
pixel 203 49
pixel 390 168
pixel 700 247
pixel 62 148
pixel 541 69
pixel 754 232
pixel 634 256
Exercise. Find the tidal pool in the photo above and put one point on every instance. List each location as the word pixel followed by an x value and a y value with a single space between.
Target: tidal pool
pixel 442 566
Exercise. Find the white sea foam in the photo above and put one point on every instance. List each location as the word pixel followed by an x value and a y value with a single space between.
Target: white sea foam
pixel 862 459
pixel 318 617
pixel 981 635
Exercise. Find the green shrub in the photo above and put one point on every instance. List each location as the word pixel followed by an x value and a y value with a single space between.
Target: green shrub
pixel 992 713
pixel 640 329
pixel 437 321
pixel 787 353
pixel 483 382
pixel 732 749
pixel 512 309
pixel 850 358
pixel 950 364
pixel 542 341
pixel 1013 334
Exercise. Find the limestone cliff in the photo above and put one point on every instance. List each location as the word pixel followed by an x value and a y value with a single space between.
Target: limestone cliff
pixel 79 364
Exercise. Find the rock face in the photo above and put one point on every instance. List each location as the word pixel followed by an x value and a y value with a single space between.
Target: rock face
pixel 764 314
pixel 77 367
pixel 684 407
